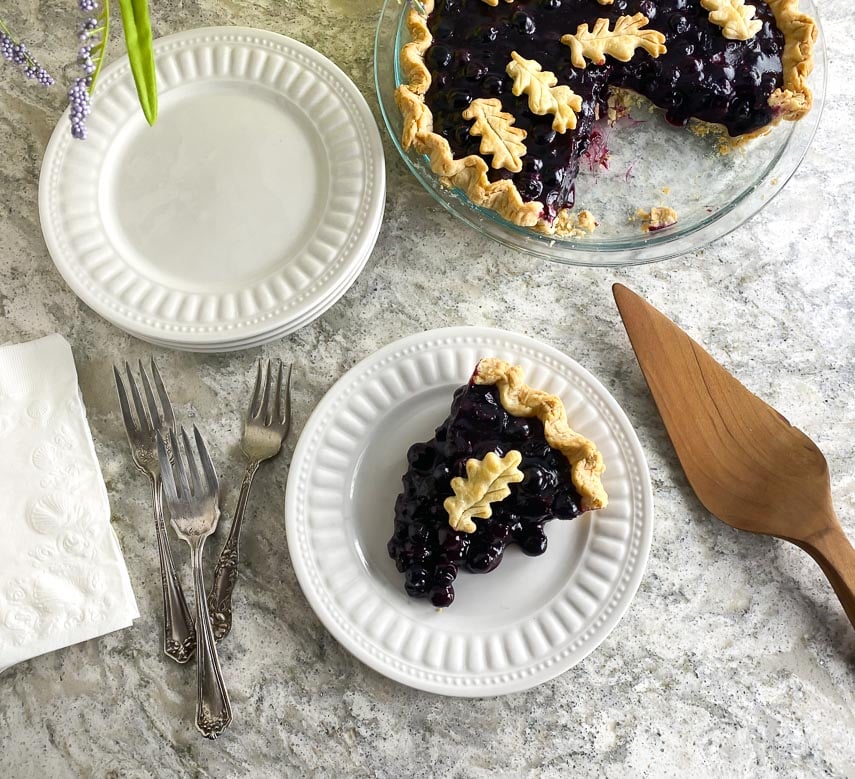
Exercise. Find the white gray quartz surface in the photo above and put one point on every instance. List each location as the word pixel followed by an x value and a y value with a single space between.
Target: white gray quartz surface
pixel 735 659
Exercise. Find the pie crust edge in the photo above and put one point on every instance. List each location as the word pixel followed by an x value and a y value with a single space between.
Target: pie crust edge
pixel 586 461
pixel 470 173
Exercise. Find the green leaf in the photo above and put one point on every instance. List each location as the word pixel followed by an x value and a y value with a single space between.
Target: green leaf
pixel 99 51
pixel 138 41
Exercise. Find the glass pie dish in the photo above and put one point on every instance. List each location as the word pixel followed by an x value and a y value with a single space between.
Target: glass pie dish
pixel 640 163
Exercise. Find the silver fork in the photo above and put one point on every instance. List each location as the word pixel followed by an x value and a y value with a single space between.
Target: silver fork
pixel 267 424
pixel 193 500
pixel 179 635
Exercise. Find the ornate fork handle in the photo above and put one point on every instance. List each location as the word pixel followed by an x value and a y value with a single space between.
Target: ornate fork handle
pixel 179 633
pixel 226 569
pixel 213 708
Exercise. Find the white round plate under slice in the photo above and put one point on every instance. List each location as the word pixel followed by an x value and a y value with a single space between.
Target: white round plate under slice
pixel 258 191
pixel 531 618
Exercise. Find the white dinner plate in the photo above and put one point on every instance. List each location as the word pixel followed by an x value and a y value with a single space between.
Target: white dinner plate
pixel 524 623
pixel 244 213
pixel 272 335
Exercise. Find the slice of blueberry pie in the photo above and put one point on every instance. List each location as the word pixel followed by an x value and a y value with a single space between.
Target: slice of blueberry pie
pixel 502 95
pixel 503 464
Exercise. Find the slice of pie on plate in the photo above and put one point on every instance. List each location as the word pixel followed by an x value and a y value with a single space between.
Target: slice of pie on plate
pixel 502 95
pixel 503 463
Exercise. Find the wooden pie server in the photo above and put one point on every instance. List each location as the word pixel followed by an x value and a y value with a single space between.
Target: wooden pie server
pixel 747 464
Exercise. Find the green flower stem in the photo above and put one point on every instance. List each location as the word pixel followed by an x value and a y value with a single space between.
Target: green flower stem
pixel 100 51
pixel 4 29
pixel 138 40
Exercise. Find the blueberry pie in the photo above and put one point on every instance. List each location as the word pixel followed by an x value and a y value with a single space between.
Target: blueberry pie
pixel 503 463
pixel 502 95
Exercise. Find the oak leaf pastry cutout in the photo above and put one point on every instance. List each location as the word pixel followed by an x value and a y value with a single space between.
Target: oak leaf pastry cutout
pixel 487 481
pixel 494 3
pixel 544 97
pixel 498 135
pixel 620 42
pixel 736 19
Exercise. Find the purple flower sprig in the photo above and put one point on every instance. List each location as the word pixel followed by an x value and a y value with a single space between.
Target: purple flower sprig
pixel 92 34
pixel 17 53
pixel 79 107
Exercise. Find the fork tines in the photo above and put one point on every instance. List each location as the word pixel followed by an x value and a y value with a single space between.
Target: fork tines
pixel 149 416
pixel 260 407
pixel 182 482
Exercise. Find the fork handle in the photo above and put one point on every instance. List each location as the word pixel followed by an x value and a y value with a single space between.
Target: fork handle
pixel 213 707
pixel 834 554
pixel 179 633
pixel 226 569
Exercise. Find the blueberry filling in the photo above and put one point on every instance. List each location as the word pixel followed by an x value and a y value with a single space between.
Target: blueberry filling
pixel 425 547
pixel 703 75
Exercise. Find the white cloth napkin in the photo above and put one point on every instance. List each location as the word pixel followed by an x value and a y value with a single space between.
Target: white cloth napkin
pixel 62 575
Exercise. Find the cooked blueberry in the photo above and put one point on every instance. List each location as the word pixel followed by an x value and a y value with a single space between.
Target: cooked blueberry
pixel 421 457
pixel 678 23
pixel 444 30
pixel 530 187
pixel 648 8
pixel 523 23
pixel 459 100
pixel 493 85
pixel 442 597
pixel 419 533
pixel 439 56
pixel 417 581
pixel 475 72
pixel 445 575
pixel 534 544
pixel 485 559
pixel 518 428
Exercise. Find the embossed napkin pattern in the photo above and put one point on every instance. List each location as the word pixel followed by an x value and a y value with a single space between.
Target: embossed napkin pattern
pixel 62 576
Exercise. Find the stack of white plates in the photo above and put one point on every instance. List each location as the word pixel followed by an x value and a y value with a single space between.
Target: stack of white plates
pixel 246 212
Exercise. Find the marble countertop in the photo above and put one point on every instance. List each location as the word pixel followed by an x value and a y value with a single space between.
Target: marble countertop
pixel 734 659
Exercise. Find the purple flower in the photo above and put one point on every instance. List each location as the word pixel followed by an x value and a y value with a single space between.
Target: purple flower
pixel 90 33
pixel 17 53
pixel 79 107
pixel 87 27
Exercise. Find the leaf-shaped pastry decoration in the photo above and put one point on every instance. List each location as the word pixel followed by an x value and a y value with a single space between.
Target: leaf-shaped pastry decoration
pixel 494 3
pixel 620 43
pixel 486 482
pixel 736 19
pixel 498 136
pixel 543 96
